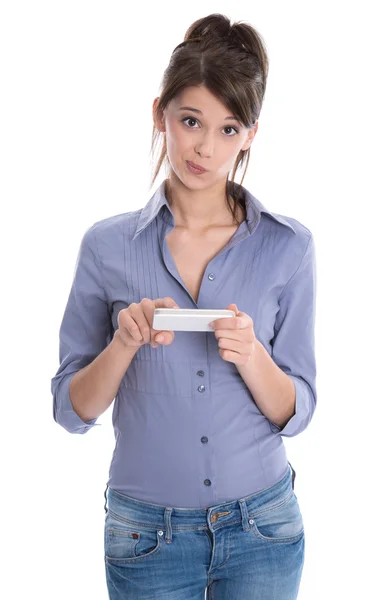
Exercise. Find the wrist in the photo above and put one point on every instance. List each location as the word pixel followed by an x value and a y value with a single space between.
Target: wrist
pixel 121 346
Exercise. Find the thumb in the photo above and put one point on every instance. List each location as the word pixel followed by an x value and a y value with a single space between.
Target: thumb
pixel 233 307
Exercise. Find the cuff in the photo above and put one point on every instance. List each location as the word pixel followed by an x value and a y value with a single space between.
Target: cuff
pixel 64 413
pixel 302 415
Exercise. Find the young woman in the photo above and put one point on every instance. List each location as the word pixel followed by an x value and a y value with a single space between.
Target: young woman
pixel 200 492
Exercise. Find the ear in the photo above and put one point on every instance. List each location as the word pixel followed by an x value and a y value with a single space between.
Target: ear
pixel 159 123
pixel 250 137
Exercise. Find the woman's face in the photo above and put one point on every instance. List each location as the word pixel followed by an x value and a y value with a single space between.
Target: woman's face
pixel 207 138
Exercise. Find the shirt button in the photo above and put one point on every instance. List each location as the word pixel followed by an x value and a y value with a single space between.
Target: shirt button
pixel 200 373
pixel 207 482
pixel 201 388
pixel 204 439
pixel 211 276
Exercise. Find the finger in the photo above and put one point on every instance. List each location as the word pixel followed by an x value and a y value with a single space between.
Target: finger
pixel 129 325
pixel 139 312
pixel 148 312
pixel 230 334
pixel 167 335
pixel 166 302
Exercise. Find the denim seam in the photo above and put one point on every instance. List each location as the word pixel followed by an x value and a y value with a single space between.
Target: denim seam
pixel 270 540
pixel 198 527
pixel 155 525
pixel 274 506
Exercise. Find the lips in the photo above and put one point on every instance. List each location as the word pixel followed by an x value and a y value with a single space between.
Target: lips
pixel 196 166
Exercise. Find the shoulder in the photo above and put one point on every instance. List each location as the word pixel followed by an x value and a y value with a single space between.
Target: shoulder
pixel 298 226
pixel 300 229
pixel 292 238
pixel 113 226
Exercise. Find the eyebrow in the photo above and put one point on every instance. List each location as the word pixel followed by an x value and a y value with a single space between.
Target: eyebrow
pixel 200 112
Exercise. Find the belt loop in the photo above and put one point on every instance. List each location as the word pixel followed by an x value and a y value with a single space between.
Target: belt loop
pixel 167 522
pixel 105 495
pixel 244 513
pixel 292 475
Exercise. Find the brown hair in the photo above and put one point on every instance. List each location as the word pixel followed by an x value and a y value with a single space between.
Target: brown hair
pixel 232 63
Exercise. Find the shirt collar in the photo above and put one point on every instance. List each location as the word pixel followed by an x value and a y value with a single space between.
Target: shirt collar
pixel 155 205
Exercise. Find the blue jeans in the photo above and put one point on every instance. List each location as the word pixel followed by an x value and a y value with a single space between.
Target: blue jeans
pixel 251 548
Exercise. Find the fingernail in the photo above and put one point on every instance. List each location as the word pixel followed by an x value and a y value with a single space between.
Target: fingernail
pixel 159 338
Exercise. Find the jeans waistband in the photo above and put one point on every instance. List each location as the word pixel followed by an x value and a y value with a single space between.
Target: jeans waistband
pixel 133 511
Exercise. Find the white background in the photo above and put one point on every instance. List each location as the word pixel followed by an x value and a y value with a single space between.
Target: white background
pixel 77 84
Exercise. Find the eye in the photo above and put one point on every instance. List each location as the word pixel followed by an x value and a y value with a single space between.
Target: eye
pixel 194 119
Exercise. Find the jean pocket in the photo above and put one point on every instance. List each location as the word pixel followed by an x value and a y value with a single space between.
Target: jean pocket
pixel 128 542
pixel 281 522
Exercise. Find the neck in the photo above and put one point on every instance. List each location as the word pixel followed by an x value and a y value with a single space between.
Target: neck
pixel 199 210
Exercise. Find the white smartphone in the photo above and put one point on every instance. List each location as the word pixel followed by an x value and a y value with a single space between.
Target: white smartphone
pixel 187 319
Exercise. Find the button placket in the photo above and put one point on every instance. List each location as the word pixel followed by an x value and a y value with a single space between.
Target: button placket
pixel 204 439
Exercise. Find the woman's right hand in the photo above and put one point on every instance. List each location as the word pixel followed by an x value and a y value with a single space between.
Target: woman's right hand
pixel 135 323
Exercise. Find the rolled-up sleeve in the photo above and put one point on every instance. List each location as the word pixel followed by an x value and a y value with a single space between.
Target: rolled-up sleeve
pixel 293 347
pixel 84 332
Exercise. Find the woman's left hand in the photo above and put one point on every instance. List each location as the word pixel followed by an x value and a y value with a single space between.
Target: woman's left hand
pixel 236 337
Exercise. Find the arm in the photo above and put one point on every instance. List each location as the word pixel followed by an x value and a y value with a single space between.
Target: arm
pixel 284 385
pixel 93 388
pixel 91 363
pixel 273 391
